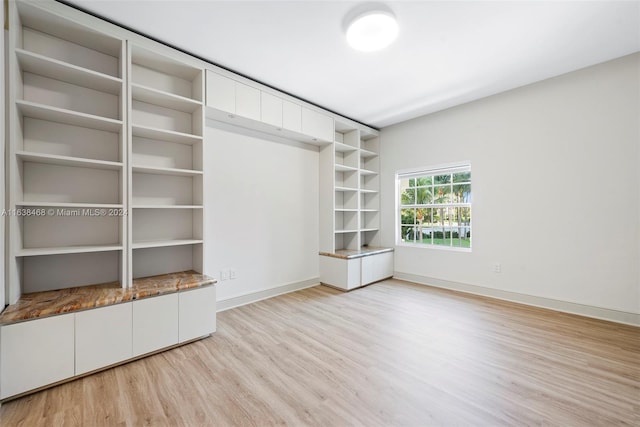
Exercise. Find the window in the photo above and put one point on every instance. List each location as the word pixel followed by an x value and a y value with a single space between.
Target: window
pixel 434 207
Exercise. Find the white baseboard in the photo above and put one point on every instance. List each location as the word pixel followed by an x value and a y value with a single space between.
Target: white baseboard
pixel 237 301
pixel 564 306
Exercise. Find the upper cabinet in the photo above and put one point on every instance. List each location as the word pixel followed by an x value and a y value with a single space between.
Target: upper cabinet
pixel 317 125
pixel 247 101
pixel 221 92
pixel 233 97
pixel 271 110
pixel 240 104
pixel 291 116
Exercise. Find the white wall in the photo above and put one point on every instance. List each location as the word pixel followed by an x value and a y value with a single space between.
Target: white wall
pixel 4 168
pixel 556 190
pixel 261 213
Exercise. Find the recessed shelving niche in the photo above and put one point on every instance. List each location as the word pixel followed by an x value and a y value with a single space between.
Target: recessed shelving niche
pixel 66 153
pixel 107 141
pixel 166 197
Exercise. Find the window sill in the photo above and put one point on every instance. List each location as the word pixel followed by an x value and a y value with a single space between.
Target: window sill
pixel 435 247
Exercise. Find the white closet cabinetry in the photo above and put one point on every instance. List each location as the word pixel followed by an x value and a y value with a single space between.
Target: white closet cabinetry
pixel 271 110
pixel 155 323
pixel 376 267
pixel 291 116
pixel 240 104
pixel 196 318
pixel 317 125
pixel 340 273
pixel 221 92
pixel 167 320
pixel 40 352
pixel 233 97
pixel 350 273
pixel 248 102
pixel 36 353
pixel 102 337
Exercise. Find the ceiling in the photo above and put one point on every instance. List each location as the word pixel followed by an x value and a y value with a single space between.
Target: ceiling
pixel 447 52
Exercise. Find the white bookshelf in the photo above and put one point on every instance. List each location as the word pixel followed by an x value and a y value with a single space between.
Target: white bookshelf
pixel 106 139
pixel 350 252
pixel 349 189
pixel 350 202
pixel 166 126
pixel 66 156
pixel 369 190
pixel 104 180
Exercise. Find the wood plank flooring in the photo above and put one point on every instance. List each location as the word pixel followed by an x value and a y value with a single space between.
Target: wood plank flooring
pixel 392 353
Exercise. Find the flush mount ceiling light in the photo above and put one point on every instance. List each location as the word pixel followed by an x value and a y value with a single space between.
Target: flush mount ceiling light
pixel 372 29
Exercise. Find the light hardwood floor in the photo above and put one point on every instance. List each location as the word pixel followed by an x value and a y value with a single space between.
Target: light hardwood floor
pixel 393 353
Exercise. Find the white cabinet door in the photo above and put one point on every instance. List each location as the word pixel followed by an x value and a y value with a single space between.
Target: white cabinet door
pixel 103 337
pixel 197 313
pixel 271 110
pixel 155 323
pixel 36 353
pixel 247 101
pixel 367 274
pixel 377 267
pixel 339 272
pixel 291 116
pixel 317 125
pixel 383 266
pixel 221 92
pixel 353 273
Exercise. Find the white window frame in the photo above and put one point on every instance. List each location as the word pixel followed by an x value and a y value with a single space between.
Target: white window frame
pixel 430 170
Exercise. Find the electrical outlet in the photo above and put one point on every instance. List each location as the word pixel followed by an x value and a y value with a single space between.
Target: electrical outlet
pixel 232 274
pixel 224 274
pixel 497 267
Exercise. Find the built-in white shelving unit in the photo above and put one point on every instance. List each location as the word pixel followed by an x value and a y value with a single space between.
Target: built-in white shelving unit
pixel 166 111
pixel 105 155
pixel 105 186
pixel 369 190
pixel 349 189
pixel 350 255
pixel 66 155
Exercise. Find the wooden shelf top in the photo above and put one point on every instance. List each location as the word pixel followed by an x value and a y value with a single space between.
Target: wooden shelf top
pixel 50 303
pixel 357 253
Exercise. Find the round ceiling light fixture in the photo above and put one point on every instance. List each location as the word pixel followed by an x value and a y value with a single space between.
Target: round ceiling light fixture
pixel 372 30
